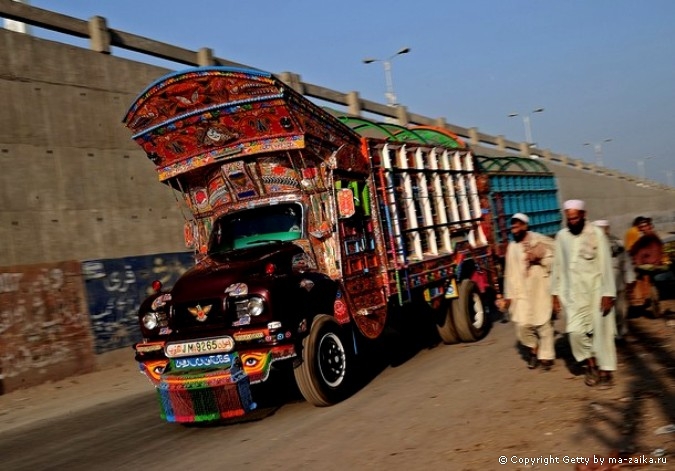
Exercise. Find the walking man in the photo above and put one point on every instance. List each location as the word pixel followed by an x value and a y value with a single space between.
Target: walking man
pixel 527 290
pixel 584 291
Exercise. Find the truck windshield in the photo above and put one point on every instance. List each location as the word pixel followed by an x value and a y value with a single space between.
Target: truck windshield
pixel 266 224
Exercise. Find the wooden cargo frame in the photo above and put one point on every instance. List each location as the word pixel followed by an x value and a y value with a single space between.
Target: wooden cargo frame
pixel 429 207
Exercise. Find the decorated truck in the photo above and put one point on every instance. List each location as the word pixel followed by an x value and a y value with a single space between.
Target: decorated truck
pixel 307 232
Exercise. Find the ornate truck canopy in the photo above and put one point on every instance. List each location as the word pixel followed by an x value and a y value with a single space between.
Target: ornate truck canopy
pixel 193 118
pixel 420 135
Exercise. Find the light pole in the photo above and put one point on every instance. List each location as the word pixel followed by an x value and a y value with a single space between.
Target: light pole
pixel 390 95
pixel 641 166
pixel 597 147
pixel 527 124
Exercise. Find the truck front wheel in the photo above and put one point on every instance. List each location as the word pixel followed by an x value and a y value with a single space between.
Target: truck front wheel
pixel 468 312
pixel 323 375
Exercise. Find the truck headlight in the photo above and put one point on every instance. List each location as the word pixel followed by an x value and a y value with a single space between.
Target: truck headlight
pixel 150 320
pixel 256 306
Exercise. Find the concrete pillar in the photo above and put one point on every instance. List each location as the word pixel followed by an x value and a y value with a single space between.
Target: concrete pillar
pixel 474 140
pixel 205 57
pixel 99 36
pixel 525 149
pixel 402 115
pixel 293 81
pixel 501 144
pixel 354 103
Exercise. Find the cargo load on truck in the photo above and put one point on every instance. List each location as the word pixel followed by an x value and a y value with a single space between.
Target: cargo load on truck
pixel 308 230
pixel 520 185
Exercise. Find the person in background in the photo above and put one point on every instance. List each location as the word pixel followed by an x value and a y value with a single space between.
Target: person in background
pixel 527 290
pixel 633 233
pixel 624 275
pixel 652 265
pixel 583 290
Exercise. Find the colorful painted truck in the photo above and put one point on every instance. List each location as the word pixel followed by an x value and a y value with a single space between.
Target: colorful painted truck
pixel 306 234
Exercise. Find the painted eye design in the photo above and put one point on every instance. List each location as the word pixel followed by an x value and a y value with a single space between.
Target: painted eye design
pixel 251 362
pixel 286 122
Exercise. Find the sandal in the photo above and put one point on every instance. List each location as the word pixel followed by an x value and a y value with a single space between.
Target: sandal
pixel 532 362
pixel 605 382
pixel 592 377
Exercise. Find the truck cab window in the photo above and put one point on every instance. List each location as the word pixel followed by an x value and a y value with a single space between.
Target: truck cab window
pixel 266 224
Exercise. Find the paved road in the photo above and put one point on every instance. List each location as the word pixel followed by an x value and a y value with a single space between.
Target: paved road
pixel 455 407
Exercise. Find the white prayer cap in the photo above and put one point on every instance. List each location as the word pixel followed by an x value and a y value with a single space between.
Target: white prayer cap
pixel 521 217
pixel 574 204
pixel 601 223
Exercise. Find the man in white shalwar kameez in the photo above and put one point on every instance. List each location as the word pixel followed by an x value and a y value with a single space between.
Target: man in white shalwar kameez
pixel 527 290
pixel 584 290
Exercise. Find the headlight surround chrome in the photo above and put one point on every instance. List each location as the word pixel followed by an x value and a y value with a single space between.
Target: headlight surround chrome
pixel 150 320
pixel 256 306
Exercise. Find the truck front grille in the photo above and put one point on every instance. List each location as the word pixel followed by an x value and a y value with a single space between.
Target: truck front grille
pixel 202 314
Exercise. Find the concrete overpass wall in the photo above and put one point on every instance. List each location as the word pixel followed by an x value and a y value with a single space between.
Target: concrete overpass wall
pixel 72 183
pixel 73 186
pixel 617 200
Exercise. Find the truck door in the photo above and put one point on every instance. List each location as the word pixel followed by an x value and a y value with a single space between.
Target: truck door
pixel 363 265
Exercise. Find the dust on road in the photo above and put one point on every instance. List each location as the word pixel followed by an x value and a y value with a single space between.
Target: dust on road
pixel 459 407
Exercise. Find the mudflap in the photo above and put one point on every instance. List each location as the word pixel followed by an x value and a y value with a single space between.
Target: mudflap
pixel 205 396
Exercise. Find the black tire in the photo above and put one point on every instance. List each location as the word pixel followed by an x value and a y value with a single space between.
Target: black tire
pixel 468 313
pixel 446 327
pixel 324 375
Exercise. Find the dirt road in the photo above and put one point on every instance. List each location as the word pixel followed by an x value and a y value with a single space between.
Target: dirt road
pixel 457 407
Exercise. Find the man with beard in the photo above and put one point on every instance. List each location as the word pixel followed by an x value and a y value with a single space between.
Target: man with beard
pixel 527 290
pixel 583 290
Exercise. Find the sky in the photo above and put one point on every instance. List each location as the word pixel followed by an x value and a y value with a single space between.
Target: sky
pixel 601 69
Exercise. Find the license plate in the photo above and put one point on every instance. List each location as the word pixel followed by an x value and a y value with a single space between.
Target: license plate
pixel 199 347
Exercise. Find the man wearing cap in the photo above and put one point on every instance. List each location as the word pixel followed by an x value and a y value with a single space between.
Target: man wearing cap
pixel 527 290
pixel 583 289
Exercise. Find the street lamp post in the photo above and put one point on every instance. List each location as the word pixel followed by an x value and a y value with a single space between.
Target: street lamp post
pixel 527 124
pixel 641 166
pixel 597 147
pixel 389 94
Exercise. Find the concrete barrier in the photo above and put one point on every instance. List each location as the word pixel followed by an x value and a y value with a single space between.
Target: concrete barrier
pixel 62 319
pixel 115 289
pixel 45 332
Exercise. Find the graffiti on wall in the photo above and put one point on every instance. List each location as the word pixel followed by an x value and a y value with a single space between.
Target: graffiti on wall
pixel 43 323
pixel 117 287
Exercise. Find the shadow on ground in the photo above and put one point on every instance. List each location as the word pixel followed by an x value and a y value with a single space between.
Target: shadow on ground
pixel 647 360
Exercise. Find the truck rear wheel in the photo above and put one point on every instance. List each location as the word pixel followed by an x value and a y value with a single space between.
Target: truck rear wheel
pixel 468 312
pixel 323 375
pixel 446 329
